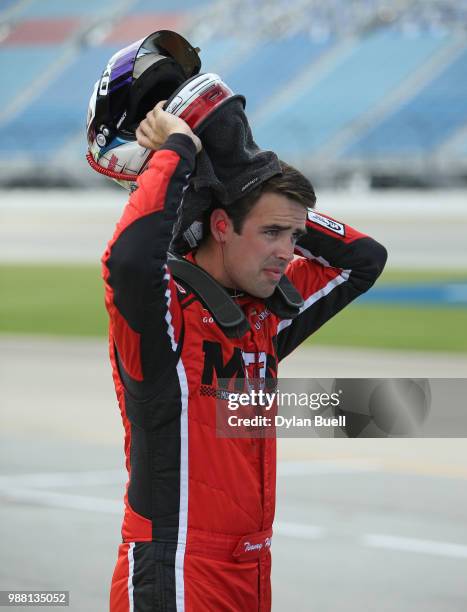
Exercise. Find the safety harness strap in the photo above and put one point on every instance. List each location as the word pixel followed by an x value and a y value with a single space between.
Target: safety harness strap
pixel 285 302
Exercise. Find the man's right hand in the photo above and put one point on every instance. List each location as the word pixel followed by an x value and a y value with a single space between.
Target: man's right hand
pixel 153 131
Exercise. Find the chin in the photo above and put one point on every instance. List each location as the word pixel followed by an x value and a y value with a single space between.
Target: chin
pixel 259 288
pixel 262 292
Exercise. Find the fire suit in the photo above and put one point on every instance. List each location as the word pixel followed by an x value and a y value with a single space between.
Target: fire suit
pixel 199 509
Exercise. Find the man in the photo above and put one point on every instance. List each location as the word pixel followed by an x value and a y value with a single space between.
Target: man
pixel 199 508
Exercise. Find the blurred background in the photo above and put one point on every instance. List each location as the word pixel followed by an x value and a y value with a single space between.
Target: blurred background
pixel 369 99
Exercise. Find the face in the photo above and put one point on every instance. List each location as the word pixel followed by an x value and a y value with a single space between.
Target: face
pixel 255 259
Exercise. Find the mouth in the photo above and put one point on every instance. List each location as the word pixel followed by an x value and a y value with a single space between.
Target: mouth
pixel 273 273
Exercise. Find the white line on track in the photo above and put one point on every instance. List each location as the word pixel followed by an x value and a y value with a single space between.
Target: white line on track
pixel 109 477
pixel 63 479
pixel 29 488
pixel 429 547
pixel 63 500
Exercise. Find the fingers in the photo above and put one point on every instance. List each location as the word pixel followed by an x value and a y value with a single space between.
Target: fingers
pixel 148 133
pixel 155 113
pixel 145 129
pixel 157 126
pixel 150 120
pixel 198 143
pixel 147 138
pixel 142 139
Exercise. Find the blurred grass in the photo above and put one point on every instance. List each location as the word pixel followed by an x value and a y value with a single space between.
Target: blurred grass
pixel 432 328
pixel 52 299
pixel 69 300
pixel 391 275
pixel 396 327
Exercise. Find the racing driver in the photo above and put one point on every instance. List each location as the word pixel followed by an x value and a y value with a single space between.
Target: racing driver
pixel 199 508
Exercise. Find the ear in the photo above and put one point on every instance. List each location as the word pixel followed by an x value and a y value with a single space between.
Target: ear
pixel 220 225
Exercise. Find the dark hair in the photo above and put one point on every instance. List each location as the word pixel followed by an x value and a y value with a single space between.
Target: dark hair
pixel 291 184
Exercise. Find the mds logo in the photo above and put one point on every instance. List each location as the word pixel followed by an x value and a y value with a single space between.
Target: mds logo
pixel 241 365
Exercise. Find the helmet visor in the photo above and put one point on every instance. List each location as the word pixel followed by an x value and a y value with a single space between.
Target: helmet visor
pixel 163 42
pixel 177 47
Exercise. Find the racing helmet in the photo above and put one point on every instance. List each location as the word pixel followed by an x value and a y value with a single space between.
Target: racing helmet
pixel 134 80
pixel 162 66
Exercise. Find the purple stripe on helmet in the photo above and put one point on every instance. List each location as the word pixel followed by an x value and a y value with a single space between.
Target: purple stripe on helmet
pixel 121 70
pixel 124 60
pixel 114 86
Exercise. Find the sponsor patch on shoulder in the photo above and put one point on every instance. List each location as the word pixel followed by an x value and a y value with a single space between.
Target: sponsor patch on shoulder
pixel 329 224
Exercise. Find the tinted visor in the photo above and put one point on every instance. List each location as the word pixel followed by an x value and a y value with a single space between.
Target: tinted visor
pixel 175 46
pixel 164 43
pixel 117 79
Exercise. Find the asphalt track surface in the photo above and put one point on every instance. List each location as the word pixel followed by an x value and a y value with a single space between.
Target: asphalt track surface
pixel 361 524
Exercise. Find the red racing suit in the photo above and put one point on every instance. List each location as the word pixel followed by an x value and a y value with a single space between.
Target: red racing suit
pixel 198 508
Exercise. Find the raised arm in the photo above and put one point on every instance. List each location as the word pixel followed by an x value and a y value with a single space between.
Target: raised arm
pixel 336 264
pixel 140 295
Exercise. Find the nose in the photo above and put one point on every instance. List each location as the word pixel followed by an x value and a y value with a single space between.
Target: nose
pixel 285 250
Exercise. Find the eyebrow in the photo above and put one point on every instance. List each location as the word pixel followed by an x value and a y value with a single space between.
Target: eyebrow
pixel 281 228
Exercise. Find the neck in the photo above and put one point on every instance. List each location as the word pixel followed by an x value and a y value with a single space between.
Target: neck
pixel 210 257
